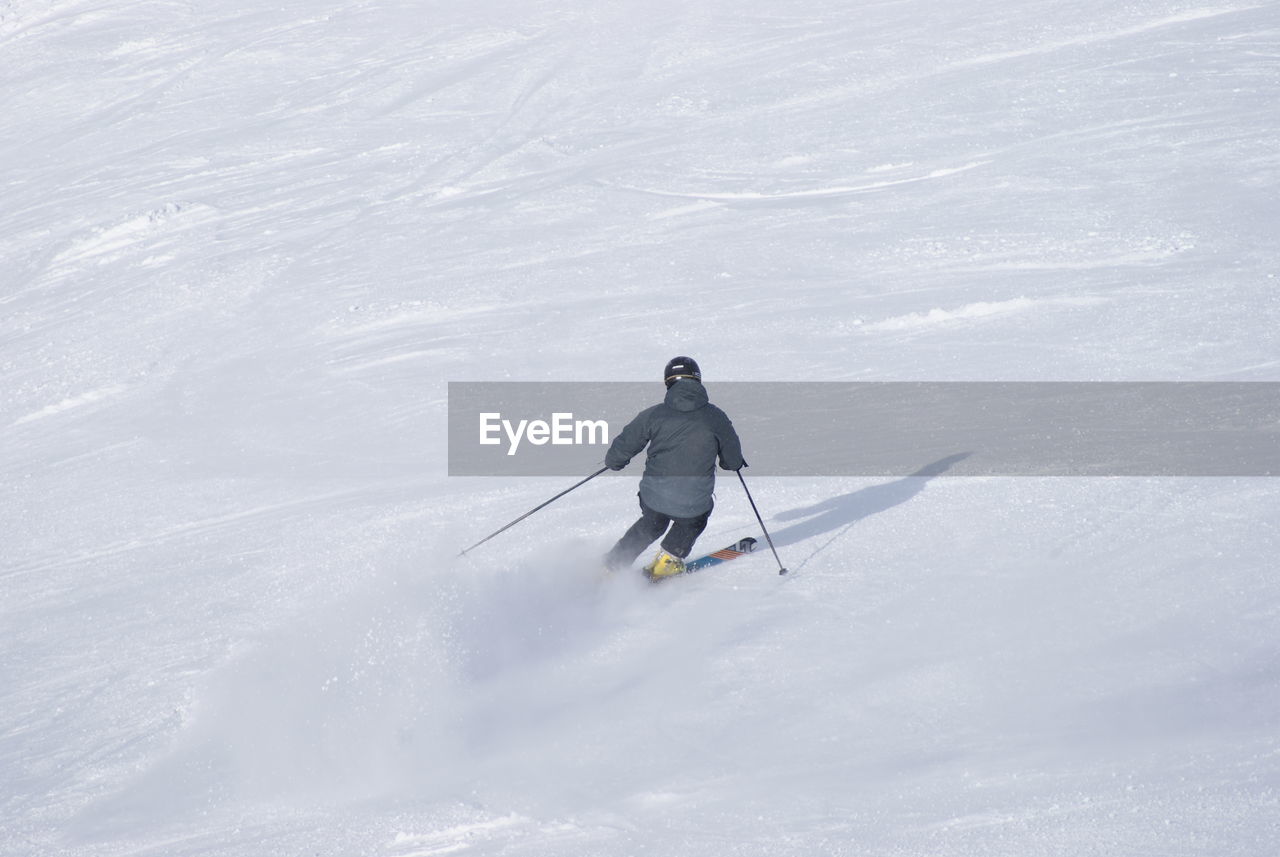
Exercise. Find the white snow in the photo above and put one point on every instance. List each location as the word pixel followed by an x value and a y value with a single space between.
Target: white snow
pixel 244 247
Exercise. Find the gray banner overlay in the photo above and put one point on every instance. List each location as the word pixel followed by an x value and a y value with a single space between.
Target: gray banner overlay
pixel 890 428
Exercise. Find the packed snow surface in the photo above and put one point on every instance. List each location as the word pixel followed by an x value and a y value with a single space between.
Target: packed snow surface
pixel 244 247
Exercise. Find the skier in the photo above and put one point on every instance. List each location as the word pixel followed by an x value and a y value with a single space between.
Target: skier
pixel 685 435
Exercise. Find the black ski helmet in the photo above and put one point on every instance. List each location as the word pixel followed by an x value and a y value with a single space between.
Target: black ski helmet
pixel 681 367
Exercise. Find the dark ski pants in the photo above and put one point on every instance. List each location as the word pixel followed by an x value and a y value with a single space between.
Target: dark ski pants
pixel 651 524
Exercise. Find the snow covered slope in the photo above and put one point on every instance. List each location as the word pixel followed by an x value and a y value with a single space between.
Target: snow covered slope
pixel 244 247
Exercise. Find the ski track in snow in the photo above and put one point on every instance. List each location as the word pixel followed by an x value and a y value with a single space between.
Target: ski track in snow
pixel 458 838
pixel 1186 17
pixel 110 243
pixel 179 532
pixel 815 193
pixel 968 312
pixel 84 399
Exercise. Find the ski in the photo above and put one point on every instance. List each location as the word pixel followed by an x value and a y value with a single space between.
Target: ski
pixel 741 547
pixel 733 551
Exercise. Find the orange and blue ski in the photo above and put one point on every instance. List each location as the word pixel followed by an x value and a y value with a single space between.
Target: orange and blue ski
pixel 741 547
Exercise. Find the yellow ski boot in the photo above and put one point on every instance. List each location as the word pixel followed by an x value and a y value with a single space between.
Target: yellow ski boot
pixel 664 565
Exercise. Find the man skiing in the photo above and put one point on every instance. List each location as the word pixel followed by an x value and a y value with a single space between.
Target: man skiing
pixel 685 435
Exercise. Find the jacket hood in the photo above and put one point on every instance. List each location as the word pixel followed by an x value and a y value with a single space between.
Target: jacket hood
pixel 686 395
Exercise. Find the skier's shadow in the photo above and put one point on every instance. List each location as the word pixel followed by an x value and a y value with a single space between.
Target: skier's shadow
pixel 839 513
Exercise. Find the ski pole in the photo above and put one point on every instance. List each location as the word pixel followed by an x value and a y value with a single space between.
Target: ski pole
pixel 781 569
pixel 534 509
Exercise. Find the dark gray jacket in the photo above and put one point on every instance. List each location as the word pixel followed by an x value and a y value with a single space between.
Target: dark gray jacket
pixel 685 434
